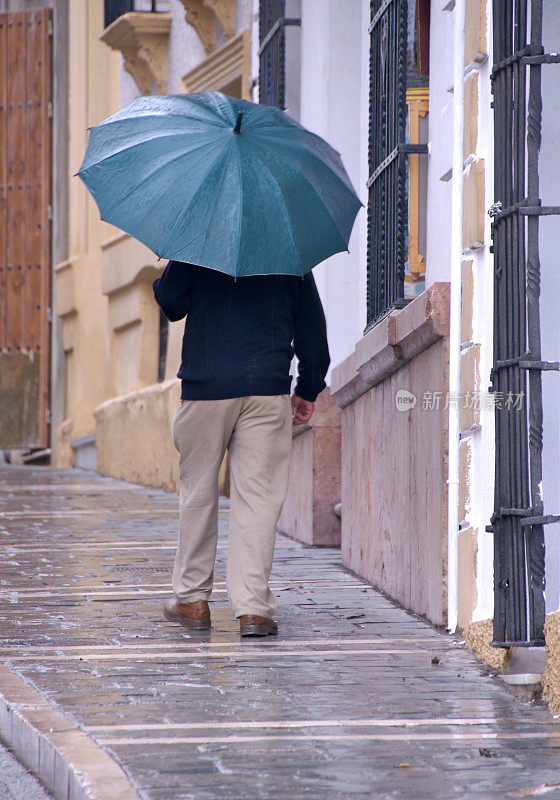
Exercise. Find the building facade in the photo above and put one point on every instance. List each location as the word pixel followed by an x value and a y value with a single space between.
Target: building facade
pixel 445 352
pixel 434 453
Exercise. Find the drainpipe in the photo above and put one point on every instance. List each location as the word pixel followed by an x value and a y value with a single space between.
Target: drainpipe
pixel 455 312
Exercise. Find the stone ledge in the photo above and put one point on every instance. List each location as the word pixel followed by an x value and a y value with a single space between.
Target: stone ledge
pixel 297 430
pixel 66 760
pixel 393 342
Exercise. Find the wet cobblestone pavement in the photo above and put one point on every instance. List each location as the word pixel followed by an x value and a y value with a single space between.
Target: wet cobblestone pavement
pixel 345 703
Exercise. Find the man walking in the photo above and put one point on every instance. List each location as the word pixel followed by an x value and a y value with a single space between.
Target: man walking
pixel 240 337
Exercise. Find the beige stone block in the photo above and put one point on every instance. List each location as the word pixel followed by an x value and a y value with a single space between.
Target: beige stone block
pixel 134 325
pixel 467 545
pixel 70 332
pixel 475 31
pixel 401 547
pixel 471 115
pixel 126 260
pixel 471 397
pixel 64 288
pixel 133 436
pixel 64 453
pixel 551 675
pixel 473 205
pixel 467 290
pixel 315 476
pixel 478 636
pixel 465 456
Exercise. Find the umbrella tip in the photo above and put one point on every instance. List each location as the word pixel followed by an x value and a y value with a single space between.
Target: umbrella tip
pixel 237 128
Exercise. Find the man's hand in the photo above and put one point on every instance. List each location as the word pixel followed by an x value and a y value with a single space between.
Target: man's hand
pixel 303 410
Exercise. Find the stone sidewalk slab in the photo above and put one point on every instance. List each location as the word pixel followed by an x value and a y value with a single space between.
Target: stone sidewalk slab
pixel 354 699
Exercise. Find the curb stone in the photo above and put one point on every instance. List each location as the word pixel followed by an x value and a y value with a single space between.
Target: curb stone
pixel 66 760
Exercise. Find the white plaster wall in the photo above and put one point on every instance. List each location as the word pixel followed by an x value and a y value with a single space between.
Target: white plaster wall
pixel 185 48
pixel 550 297
pixel 333 92
pixel 440 145
pixel 243 15
pixel 483 440
pixel 438 265
pixel 128 89
pixel 293 60
pixel 255 48
pixel 482 467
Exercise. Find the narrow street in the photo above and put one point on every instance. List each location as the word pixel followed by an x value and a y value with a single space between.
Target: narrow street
pixel 354 699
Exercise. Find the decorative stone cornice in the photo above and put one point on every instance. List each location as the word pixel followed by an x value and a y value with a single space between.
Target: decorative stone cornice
pixel 142 38
pixel 230 63
pixel 203 14
pixel 224 11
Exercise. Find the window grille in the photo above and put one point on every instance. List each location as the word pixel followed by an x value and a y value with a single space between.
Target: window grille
pixel 163 335
pixel 388 149
pixel 518 518
pixel 272 52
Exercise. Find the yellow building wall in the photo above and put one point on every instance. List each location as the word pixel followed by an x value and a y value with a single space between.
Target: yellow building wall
pixel 93 95
pixel 103 291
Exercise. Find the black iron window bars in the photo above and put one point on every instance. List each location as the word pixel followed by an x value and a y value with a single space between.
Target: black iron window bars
pixel 387 152
pixel 272 52
pixel 518 518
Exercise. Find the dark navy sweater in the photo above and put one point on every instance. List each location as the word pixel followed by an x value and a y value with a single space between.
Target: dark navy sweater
pixel 241 335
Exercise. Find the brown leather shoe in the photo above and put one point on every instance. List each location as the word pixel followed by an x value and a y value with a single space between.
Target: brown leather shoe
pixel 191 615
pixel 251 625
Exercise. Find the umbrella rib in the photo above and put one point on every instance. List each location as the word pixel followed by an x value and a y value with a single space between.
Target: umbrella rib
pixel 314 190
pixel 179 177
pixel 130 147
pixel 344 244
pixel 192 200
pixel 282 206
pixel 155 172
pixel 336 168
pixel 213 120
pixel 239 172
pixel 265 238
pixel 211 215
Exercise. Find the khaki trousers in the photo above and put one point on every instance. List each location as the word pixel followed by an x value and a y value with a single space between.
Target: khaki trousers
pixel 257 431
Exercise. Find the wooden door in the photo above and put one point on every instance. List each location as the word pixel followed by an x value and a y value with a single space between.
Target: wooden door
pixel 25 228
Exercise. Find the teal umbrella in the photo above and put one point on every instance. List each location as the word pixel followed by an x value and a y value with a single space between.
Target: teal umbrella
pixel 223 183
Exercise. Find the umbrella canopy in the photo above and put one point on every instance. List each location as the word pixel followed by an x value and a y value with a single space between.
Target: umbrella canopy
pixel 223 183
